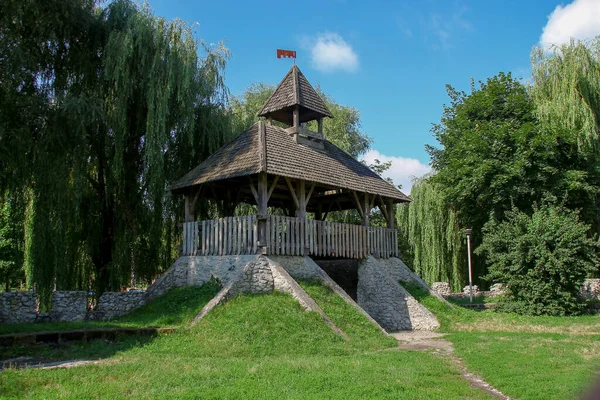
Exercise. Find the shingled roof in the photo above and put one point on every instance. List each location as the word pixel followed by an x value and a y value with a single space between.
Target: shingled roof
pixel 281 155
pixel 294 90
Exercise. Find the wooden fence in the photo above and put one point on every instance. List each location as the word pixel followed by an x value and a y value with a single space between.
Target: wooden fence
pixel 288 236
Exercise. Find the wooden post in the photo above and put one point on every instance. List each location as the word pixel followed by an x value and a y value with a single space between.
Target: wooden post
pixel 391 210
pixel 263 198
pixel 320 125
pixel 301 211
pixel 296 117
pixel 366 210
pixel 190 208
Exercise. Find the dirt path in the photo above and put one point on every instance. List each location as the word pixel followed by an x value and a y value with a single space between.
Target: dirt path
pixel 434 342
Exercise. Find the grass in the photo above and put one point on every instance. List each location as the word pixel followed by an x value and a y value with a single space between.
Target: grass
pixel 360 330
pixel 265 346
pixel 525 357
pixel 256 346
pixel 476 300
pixel 175 308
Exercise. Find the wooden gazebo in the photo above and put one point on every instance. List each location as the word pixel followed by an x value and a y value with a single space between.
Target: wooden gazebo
pixel 293 169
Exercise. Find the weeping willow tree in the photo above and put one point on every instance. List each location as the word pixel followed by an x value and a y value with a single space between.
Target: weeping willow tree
pixel 566 90
pixel 434 236
pixel 566 93
pixel 105 106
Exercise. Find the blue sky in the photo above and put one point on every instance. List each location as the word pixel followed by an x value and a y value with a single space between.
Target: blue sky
pixel 389 59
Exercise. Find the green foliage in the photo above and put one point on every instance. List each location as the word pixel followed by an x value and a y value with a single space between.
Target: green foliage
pixel 10 270
pixel 542 258
pixel 436 248
pixel 104 106
pixel 343 130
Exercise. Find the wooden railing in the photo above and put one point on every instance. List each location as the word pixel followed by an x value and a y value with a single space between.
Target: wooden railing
pixel 288 236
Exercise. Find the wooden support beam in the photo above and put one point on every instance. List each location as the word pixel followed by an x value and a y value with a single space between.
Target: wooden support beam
pixel 292 191
pixel 273 186
pixel 253 189
pixel 359 206
pixel 384 210
pixel 312 187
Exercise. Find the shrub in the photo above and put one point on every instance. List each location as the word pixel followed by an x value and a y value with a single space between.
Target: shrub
pixel 543 259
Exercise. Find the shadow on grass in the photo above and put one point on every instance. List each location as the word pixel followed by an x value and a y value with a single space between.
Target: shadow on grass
pixel 175 308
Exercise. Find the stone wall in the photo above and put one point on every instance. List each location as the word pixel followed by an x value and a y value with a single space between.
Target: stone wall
pixel 69 306
pixel 115 304
pixel 441 288
pixel 18 307
pixel 380 295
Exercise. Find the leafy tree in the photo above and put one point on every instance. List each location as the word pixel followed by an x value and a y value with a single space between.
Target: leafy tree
pixel 10 269
pixel 344 130
pixel 488 155
pixel 566 94
pixel 543 259
pixel 102 107
pixel 432 240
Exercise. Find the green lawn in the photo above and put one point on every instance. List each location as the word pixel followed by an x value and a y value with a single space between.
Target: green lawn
pixel 265 346
pixel 524 357
pixel 258 346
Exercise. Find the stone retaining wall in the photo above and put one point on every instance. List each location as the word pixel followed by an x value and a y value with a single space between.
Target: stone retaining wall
pixel 68 306
pixel 18 307
pixel 381 295
pixel 115 304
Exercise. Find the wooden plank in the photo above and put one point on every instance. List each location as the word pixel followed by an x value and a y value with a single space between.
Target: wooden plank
pixel 184 250
pixel 328 238
pixel 268 234
pixel 354 241
pixel 248 235
pixel 255 234
pixel 226 226
pixel 301 237
pixel 287 241
pixel 335 238
pixel 243 238
pixel 293 236
pixel 289 234
pixel 314 231
pixel 195 227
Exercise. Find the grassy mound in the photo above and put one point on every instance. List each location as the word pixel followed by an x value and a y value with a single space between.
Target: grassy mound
pixel 360 330
pixel 255 346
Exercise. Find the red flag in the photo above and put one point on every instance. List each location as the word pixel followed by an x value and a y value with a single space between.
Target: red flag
pixel 286 53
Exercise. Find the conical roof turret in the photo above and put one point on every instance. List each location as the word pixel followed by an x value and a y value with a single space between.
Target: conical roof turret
pixel 295 91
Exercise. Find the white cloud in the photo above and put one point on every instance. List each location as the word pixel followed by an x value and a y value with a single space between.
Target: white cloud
pixel 579 20
pixel 331 52
pixel 402 171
